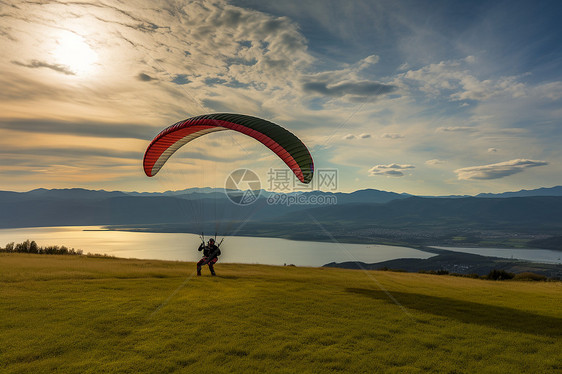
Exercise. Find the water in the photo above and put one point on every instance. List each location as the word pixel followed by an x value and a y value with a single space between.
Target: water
pixel 183 247
pixel 546 256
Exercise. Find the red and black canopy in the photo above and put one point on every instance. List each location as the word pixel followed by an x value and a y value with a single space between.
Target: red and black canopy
pixel 282 142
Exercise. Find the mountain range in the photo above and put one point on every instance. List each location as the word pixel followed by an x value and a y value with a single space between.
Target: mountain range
pixel 520 219
pixel 365 195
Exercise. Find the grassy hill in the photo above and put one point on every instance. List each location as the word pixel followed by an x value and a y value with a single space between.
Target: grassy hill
pixel 80 314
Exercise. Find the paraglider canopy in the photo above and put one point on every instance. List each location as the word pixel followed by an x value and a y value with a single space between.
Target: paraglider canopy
pixel 279 140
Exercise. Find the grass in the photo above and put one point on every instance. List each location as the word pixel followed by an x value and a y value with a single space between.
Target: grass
pixel 91 315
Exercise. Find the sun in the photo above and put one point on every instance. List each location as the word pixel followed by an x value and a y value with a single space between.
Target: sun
pixel 73 51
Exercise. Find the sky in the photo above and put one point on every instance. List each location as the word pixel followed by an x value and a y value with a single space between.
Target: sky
pixel 423 97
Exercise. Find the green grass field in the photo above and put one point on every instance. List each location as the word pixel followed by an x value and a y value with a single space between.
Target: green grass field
pixel 78 314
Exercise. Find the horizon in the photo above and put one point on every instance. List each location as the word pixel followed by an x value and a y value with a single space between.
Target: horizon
pixel 265 190
pixel 426 98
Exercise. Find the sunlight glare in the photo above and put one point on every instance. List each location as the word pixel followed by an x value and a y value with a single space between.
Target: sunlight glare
pixel 74 52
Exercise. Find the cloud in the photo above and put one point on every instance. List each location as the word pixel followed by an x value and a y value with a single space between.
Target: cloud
pixel 456 80
pixel 361 136
pixel 457 129
pixel 404 66
pixel 434 162
pixel 492 150
pixel 220 105
pixel 391 170
pixel 368 61
pixel 496 171
pixel 80 128
pixel 210 156
pixel 221 55
pixel 392 136
pixel 354 88
pixel 551 90
pixel 144 77
pixel 77 154
pixel 263 54
pixel 34 64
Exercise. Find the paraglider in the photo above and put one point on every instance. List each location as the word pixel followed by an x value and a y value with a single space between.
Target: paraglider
pixel 211 253
pixel 279 140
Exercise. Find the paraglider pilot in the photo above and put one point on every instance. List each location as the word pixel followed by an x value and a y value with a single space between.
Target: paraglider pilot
pixel 211 252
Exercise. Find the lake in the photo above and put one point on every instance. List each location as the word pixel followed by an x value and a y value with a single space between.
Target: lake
pixel 238 249
pixel 183 247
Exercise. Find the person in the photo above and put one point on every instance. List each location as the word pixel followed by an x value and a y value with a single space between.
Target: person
pixel 211 253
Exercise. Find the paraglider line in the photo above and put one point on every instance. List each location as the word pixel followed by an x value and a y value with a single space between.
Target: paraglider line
pixel 369 275
pixel 172 295
pixel 342 124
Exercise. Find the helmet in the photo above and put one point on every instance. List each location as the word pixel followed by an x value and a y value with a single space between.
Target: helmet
pixel 211 240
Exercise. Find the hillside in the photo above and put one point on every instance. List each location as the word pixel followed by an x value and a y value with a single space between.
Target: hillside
pixel 91 315
pixel 459 263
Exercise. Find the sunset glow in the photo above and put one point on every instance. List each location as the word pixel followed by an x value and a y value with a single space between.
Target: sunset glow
pixel 403 97
pixel 74 52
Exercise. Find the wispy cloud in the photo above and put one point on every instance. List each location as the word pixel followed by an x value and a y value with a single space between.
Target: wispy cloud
pixel 360 136
pixel 329 74
pixel 392 136
pixel 79 128
pixel 358 88
pixel 391 170
pixel 434 162
pixel 456 80
pixel 457 129
pixel 499 170
pixel 75 153
pixel 144 77
pixel 34 64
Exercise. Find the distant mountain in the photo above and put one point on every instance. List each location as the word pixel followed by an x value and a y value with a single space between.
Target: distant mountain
pixel 552 191
pixel 360 196
pixel 65 194
pixel 543 191
pixel 9 196
pixel 471 211
pixel 369 196
pixel 27 210
pixel 73 193
pixel 187 191
pixel 360 216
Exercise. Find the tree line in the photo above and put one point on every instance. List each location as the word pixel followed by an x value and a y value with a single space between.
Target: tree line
pixel 30 246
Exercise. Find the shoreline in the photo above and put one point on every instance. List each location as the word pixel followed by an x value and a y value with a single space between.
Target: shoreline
pixel 368 241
